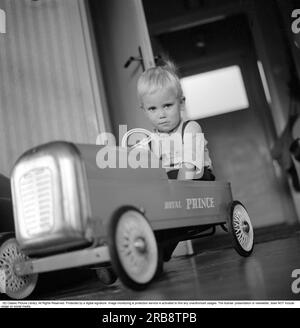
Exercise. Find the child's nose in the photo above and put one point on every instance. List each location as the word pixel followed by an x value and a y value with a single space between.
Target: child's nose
pixel 162 113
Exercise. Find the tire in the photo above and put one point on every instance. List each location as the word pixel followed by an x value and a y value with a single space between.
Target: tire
pixel 16 287
pixel 295 149
pixel 5 236
pixel 133 249
pixel 241 229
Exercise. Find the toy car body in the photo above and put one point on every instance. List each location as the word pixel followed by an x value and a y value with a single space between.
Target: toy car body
pixel 69 212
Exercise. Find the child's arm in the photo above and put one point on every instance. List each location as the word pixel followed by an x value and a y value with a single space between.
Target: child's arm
pixel 193 152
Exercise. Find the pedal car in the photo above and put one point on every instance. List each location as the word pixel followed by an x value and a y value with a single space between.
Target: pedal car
pixel 68 213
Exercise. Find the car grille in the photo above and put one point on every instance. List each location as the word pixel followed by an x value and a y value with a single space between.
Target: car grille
pixel 37 201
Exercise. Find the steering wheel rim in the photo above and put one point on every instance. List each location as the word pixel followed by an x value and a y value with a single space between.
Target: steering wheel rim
pixel 144 141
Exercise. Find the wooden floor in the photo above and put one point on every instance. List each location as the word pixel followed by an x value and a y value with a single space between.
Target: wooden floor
pixel 211 275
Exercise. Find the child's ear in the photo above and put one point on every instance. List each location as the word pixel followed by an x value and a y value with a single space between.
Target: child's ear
pixel 182 103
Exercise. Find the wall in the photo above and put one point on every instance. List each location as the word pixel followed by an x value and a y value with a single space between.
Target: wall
pixel 48 86
pixel 120 29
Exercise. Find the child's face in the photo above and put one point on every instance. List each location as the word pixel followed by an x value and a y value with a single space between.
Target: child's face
pixel 163 107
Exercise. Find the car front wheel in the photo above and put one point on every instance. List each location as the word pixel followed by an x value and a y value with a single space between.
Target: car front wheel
pixel 241 229
pixel 133 249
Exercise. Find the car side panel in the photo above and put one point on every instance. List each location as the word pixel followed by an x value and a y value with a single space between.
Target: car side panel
pixel 166 204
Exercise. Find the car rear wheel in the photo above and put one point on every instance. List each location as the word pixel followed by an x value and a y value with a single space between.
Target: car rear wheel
pixel 133 249
pixel 241 229
pixel 15 286
pixel 106 275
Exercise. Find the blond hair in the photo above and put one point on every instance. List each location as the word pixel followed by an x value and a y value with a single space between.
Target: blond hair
pixel 157 78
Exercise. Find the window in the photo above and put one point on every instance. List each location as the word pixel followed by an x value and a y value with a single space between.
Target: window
pixel 214 92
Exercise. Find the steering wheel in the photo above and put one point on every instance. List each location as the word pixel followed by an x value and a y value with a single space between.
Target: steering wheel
pixel 143 142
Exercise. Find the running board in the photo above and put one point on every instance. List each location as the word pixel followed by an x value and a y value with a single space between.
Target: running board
pixel 74 259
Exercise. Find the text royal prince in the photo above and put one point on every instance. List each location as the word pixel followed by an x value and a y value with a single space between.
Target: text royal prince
pixel 191 203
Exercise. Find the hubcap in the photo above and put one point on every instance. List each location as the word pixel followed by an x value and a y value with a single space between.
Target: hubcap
pixel 246 227
pixel 136 245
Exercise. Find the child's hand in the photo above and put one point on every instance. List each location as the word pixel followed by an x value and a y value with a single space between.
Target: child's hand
pixel 186 172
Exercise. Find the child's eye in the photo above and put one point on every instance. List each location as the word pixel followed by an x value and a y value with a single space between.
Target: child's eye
pixel 168 105
pixel 151 109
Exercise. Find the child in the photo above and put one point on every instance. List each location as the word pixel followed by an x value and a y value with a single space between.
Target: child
pixel 161 97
